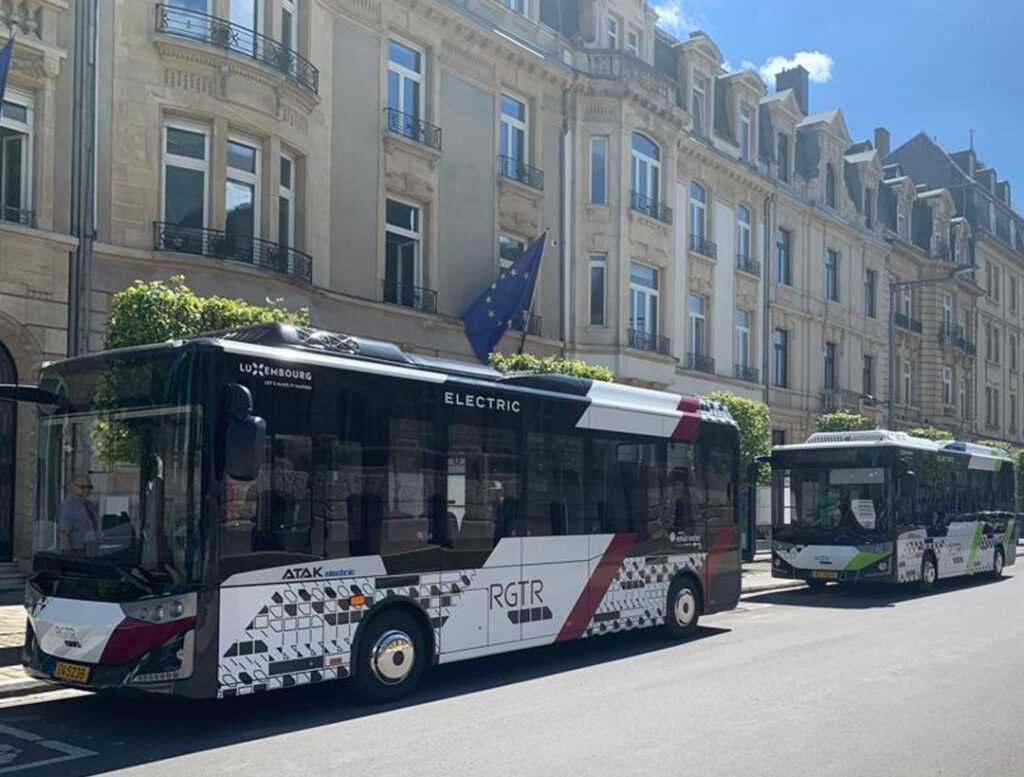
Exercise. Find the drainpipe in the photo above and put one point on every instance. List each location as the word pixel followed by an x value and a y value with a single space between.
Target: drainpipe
pixel 769 201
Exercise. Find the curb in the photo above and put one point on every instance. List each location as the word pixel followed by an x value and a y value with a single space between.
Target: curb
pixel 763 588
pixel 25 687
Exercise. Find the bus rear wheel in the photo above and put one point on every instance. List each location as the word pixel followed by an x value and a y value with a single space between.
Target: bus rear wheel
pixel 929 573
pixel 998 563
pixel 683 609
pixel 391 657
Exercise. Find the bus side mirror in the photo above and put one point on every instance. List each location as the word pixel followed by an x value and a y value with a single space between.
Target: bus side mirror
pixel 245 438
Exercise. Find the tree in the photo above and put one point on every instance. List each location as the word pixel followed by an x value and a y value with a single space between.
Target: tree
pixel 527 362
pixel 755 430
pixel 843 421
pixel 931 433
pixel 153 312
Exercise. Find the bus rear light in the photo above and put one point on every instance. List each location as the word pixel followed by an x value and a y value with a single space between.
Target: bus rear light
pixel 357 601
pixel 134 638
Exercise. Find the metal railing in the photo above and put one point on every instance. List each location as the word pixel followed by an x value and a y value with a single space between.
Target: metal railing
pixel 954 334
pixel 607 63
pixel 703 246
pixel 527 322
pixel 841 399
pixel 17 215
pixel 747 373
pixel 413 128
pixel 905 322
pixel 218 244
pixel 407 295
pixel 652 208
pixel 195 25
pixel 748 265
pixel 510 167
pixel 700 363
pixel 648 341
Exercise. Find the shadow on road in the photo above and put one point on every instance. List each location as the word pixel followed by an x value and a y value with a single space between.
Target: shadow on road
pixel 865 596
pixel 129 731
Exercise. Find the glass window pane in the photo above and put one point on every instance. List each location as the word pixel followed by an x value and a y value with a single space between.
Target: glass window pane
pixel 11 151
pixel 404 56
pixel 184 143
pixel 286 173
pixel 241 157
pixel 399 214
pixel 645 146
pixel 597 293
pixel 598 162
pixel 184 197
pixel 394 90
pixel 15 112
pixel 284 228
pixel 643 275
pixel 513 108
pixel 240 216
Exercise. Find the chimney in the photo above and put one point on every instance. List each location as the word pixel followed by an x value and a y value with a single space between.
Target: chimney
pixel 882 141
pixel 796 79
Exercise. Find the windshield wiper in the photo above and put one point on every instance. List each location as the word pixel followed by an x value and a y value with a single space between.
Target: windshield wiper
pixel 91 564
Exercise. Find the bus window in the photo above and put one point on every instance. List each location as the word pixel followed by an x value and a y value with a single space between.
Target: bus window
pixel 413 484
pixel 718 469
pixel 483 488
pixel 605 497
pixel 554 486
pixel 640 473
pixel 681 488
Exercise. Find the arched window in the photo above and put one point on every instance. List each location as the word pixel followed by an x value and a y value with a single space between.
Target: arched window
pixel 645 166
pixel 8 435
pixel 830 186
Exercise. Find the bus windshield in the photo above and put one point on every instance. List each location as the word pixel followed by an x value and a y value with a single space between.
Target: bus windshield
pixel 119 478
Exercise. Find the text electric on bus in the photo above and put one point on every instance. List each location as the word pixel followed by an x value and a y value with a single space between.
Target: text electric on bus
pixel 884 506
pixel 278 506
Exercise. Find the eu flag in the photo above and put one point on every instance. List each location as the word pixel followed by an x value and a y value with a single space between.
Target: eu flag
pixel 5 65
pixel 496 309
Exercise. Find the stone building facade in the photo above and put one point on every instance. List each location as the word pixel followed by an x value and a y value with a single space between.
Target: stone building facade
pixel 379 160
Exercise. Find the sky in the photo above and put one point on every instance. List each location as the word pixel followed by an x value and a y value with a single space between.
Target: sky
pixel 943 67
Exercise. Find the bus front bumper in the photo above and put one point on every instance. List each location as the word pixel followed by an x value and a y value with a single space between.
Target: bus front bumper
pixel 864 566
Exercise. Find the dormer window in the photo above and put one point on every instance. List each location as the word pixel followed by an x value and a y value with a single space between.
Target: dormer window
pixel 992 217
pixel 830 186
pixel 697 109
pixel 782 156
pixel 633 42
pixel 869 209
pixel 901 218
pixel 1013 233
pixel 745 131
pixel 611 33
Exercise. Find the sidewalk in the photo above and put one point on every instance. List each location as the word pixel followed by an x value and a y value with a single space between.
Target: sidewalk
pixel 757 576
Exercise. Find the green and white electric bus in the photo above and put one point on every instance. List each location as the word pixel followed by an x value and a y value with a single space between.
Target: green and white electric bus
pixel 884 506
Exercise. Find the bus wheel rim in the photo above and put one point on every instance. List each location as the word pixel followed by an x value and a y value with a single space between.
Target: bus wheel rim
pixel 929 572
pixel 393 657
pixel 685 607
pixel 998 562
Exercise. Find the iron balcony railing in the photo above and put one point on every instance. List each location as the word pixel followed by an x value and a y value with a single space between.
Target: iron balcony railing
pixel 905 322
pixel 704 247
pixel 407 295
pixel 528 323
pixel 218 244
pixel 841 399
pixel 748 265
pixel 951 333
pixel 700 363
pixel 655 209
pixel 510 167
pixel 195 25
pixel 648 341
pixel 606 63
pixel 415 129
pixel 17 215
pixel 747 373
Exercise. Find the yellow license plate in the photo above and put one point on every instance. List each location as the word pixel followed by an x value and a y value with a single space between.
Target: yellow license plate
pixel 826 575
pixel 74 673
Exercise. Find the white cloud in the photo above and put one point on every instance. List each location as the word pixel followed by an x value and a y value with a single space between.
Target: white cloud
pixel 676 19
pixel 748 65
pixel 818 65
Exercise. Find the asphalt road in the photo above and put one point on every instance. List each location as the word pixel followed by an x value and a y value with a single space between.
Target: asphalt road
pixel 879 682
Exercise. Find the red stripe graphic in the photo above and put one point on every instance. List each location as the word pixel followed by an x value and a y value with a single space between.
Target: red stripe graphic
pixel 686 429
pixel 596 587
pixel 723 541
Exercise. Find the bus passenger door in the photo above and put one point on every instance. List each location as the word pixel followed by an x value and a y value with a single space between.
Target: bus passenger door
pixel 718 473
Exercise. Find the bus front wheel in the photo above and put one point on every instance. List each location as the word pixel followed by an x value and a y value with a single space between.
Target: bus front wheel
pixel 998 563
pixel 683 608
pixel 391 657
pixel 929 573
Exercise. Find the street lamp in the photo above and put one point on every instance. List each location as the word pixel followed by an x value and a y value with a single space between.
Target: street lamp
pixel 894 287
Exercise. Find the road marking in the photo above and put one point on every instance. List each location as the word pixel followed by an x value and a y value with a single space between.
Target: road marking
pixel 10 753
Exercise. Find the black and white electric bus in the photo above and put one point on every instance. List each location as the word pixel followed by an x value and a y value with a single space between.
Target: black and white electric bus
pixel 885 506
pixel 276 506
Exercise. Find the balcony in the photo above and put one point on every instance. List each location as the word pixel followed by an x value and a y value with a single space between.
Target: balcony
pixel 197 26
pixel 700 363
pixel 26 218
pixel 954 335
pixel 654 209
pixel 747 373
pixel 409 296
pixel 528 323
pixel 700 245
pixel 905 322
pixel 415 129
pixel 512 168
pixel 620 65
pixel 841 399
pixel 748 265
pixel 218 244
pixel 648 341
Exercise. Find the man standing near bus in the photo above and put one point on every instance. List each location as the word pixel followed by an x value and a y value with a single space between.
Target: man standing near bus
pixel 77 527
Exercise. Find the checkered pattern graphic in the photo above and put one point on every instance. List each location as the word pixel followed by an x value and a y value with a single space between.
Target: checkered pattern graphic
pixel 638 595
pixel 302 633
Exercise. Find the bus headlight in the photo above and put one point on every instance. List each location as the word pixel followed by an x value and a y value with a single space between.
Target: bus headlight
pixel 168 608
pixel 882 566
